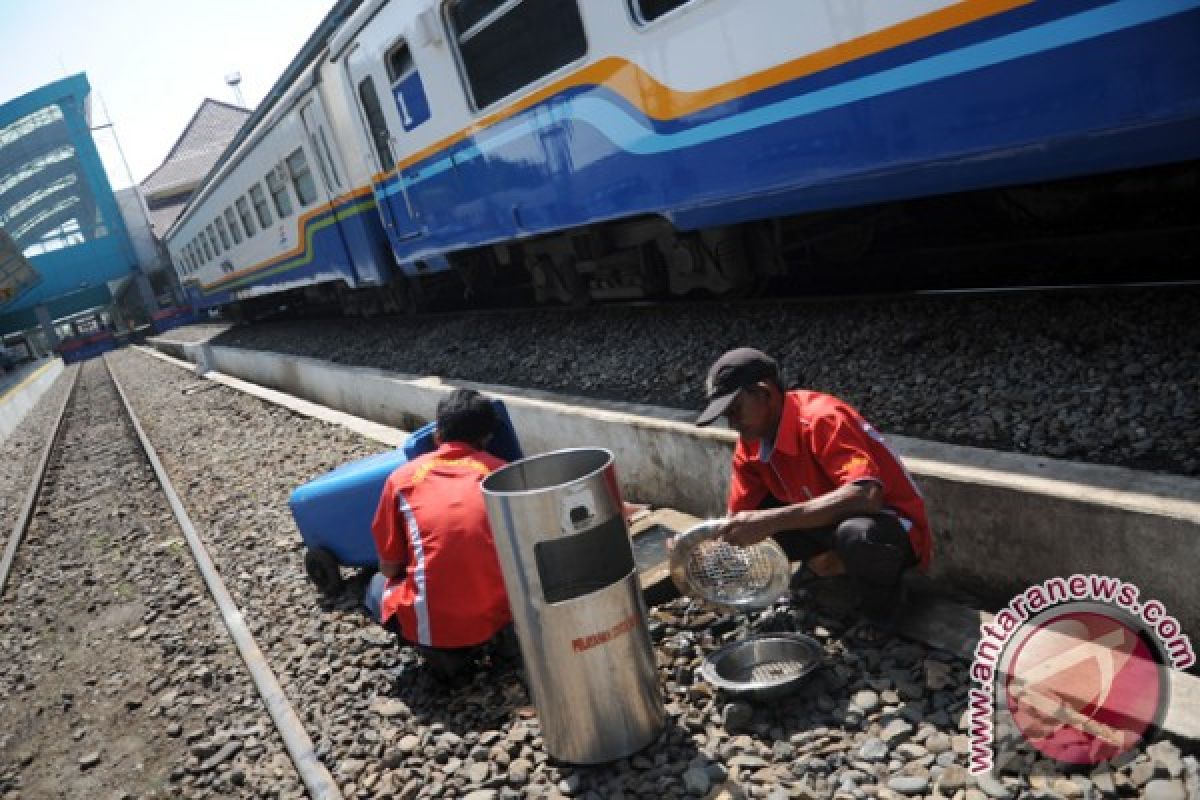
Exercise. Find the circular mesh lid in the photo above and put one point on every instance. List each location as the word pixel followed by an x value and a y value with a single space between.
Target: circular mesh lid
pixel 725 574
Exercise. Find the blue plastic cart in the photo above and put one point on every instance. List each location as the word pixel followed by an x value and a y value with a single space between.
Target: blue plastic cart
pixel 334 512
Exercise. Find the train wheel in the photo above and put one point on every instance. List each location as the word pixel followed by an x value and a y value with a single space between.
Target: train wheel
pixel 323 571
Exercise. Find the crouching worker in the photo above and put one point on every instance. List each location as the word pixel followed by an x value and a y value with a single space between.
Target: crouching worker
pixel 809 471
pixel 439 586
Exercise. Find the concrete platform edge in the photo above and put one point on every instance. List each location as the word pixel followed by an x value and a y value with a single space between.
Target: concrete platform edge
pixel 18 401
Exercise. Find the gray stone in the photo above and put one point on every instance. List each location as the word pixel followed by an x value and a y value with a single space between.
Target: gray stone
pixel 909 784
pixel 478 772
pixel 993 787
pixel 221 756
pixel 866 701
pixel 518 772
pixel 1167 759
pixel 938 743
pixel 1165 790
pixel 953 778
pixel 697 782
pixel 89 760
pixel 896 731
pixel 482 794
pixel 873 749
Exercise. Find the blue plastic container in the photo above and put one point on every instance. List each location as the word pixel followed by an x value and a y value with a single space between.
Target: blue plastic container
pixel 334 512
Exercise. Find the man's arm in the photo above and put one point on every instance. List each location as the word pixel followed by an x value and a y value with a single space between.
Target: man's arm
pixel 389 532
pixel 750 527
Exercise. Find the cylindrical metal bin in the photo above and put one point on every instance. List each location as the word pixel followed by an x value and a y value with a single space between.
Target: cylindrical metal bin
pixel 577 604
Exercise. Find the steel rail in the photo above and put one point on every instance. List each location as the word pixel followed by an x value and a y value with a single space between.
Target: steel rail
pixel 35 487
pixel 315 776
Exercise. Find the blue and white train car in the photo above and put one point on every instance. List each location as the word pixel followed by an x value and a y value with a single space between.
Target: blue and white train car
pixel 284 210
pixel 618 149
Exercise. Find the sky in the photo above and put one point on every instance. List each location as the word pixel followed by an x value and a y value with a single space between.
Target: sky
pixel 150 62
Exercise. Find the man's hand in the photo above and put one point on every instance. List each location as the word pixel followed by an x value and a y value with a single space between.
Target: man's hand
pixel 747 527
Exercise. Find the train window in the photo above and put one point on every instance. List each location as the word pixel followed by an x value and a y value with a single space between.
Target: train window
pixel 400 62
pixel 207 250
pixel 243 210
pixel 302 178
pixel 408 92
pixel 235 230
pixel 649 10
pixel 279 193
pixel 212 239
pixel 507 44
pixel 223 232
pixel 259 198
pixel 375 121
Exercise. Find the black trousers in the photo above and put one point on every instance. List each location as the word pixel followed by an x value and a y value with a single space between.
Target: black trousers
pixel 875 549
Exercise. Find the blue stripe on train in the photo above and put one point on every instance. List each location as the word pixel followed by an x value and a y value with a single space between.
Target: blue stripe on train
pixel 949 122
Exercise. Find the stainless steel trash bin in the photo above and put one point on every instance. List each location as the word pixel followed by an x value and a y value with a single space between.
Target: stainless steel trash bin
pixel 577 605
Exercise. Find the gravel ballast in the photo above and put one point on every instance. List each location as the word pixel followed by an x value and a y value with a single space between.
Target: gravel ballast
pixel 1108 378
pixel 117 678
pixel 885 721
pixel 20 452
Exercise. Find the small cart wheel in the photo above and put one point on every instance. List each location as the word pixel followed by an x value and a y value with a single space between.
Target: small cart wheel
pixel 323 571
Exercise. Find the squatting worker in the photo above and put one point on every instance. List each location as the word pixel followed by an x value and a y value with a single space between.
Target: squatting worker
pixel 809 471
pixel 439 585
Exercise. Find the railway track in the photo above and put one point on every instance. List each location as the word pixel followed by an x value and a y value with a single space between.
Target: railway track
pixel 118 675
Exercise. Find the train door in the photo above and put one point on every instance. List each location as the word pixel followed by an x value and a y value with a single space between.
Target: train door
pixel 400 214
pixel 317 133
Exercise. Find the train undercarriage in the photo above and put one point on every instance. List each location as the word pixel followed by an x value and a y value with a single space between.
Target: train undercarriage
pixel 1128 227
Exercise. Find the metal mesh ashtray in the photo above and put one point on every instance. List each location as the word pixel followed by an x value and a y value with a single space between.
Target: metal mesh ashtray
pixel 737 578
pixel 763 666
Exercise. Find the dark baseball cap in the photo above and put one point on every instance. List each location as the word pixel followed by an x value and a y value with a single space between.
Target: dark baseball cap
pixel 731 373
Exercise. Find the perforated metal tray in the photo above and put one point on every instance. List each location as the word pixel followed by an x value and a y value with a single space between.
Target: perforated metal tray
pixel 763 666
pixel 725 575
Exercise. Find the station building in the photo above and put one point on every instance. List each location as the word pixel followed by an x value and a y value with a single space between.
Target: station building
pixel 65 238
pixel 70 246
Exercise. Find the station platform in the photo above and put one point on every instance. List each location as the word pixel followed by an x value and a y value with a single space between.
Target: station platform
pixel 21 389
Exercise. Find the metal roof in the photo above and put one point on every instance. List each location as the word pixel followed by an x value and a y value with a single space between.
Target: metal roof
pixel 207 134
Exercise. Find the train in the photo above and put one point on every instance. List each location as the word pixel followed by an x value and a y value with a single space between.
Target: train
pixel 580 150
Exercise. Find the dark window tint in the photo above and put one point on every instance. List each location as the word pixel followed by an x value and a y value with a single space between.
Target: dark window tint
pixel 279 193
pixel 223 233
pixel 399 62
pixel 507 45
pixel 302 178
pixel 259 198
pixel 235 230
pixel 243 209
pixel 650 10
pixel 376 122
